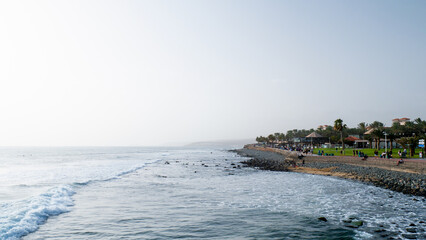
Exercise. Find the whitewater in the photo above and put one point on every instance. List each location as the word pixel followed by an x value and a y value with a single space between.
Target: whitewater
pixel 188 193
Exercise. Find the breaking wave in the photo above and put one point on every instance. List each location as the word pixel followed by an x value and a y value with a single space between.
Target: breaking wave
pixel 24 217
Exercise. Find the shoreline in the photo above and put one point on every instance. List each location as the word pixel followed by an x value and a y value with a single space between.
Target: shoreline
pixel 408 178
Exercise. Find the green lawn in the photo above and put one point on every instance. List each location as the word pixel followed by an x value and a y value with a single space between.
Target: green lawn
pixel 368 151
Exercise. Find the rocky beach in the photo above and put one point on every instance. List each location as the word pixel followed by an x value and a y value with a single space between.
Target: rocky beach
pixel 408 178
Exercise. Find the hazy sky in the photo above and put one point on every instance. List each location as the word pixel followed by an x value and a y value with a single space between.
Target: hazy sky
pixel 158 72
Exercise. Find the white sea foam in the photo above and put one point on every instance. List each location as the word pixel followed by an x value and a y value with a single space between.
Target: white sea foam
pixel 40 183
pixel 363 235
pixel 24 217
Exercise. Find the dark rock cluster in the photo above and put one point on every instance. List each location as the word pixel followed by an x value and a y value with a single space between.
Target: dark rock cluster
pixel 409 183
pixel 265 160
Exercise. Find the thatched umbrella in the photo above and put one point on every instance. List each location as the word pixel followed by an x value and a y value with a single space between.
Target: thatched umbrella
pixel 313 135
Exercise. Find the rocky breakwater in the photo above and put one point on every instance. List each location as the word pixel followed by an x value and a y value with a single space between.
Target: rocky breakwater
pixel 409 182
pixel 268 160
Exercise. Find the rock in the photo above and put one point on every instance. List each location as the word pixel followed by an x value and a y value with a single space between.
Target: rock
pixel 409 236
pixel 355 224
pixel 383 235
pixel 322 219
pixel 358 223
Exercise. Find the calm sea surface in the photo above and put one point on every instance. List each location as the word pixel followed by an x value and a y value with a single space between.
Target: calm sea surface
pixel 186 193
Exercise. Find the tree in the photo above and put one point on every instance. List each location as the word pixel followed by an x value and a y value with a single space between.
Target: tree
pixel 421 126
pixel 397 129
pixel 369 138
pixel 410 143
pixel 334 139
pixel 271 138
pixel 362 126
pixel 261 139
pixel 289 135
pixel 377 135
pixel 339 126
pixel 281 137
pixel 276 135
pixel 391 136
pixel 377 124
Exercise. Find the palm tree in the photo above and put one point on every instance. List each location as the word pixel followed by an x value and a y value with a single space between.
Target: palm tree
pixel 377 134
pixel 271 139
pixel 339 126
pixel 362 126
pixel 377 124
pixel 281 137
pixel 391 136
pixel 261 139
pixel 410 143
pixel 421 126
pixel 277 135
pixel 369 138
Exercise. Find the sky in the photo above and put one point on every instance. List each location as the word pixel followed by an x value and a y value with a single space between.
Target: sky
pixel 144 73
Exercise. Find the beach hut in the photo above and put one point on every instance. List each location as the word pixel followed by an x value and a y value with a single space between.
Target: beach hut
pixel 352 140
pixel 312 136
pixel 360 143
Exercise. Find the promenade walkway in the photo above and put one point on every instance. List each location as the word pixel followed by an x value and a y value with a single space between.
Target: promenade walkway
pixel 417 166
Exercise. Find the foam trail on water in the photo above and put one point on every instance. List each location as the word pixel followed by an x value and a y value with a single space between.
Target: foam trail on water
pixel 116 176
pixel 24 217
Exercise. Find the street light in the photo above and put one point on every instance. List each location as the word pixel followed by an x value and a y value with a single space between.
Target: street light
pixel 386 145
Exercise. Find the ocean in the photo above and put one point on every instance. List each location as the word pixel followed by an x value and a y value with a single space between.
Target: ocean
pixel 187 193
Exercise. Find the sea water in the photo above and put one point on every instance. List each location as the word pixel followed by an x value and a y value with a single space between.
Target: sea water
pixel 186 193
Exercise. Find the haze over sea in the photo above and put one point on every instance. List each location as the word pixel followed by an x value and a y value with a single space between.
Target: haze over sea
pixel 186 193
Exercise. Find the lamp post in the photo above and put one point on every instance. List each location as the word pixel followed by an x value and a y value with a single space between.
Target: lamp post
pixel 386 145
